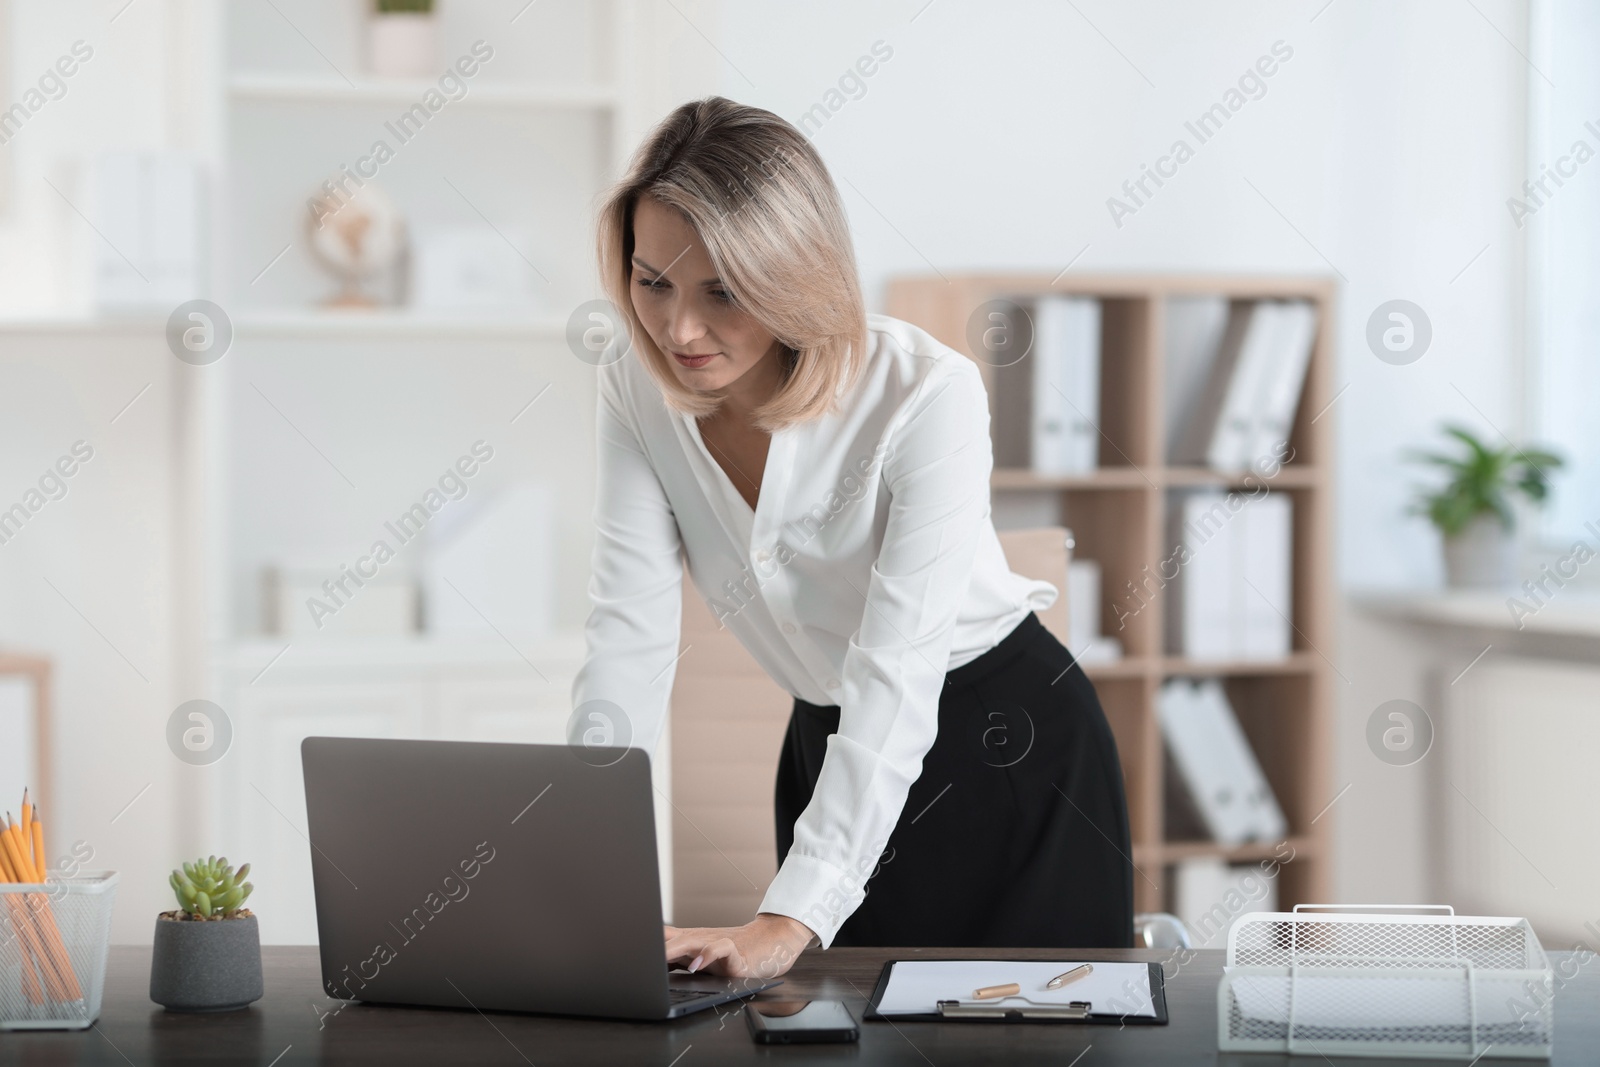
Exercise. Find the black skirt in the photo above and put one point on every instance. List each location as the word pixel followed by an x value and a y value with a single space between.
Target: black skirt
pixel 1016 833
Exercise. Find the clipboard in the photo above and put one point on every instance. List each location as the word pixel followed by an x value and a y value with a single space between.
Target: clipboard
pixel 1073 1012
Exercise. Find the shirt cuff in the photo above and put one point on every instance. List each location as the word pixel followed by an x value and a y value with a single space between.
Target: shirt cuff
pixel 817 893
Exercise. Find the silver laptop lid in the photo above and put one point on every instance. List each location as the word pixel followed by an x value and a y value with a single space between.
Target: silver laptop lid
pixel 494 876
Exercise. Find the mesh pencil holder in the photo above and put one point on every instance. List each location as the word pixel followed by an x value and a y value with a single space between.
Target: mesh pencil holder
pixel 1397 981
pixel 53 942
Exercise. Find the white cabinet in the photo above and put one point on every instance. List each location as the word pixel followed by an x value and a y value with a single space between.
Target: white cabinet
pixel 504 709
pixel 402 688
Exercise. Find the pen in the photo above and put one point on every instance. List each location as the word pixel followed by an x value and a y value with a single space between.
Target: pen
pixel 1073 975
pixel 989 991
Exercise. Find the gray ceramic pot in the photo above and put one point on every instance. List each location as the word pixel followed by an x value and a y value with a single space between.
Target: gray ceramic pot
pixel 213 965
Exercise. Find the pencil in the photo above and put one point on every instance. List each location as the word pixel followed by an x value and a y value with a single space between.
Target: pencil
pixel 1010 989
pixel 54 951
pixel 19 862
pixel 27 831
pixel 31 969
pixel 28 935
pixel 38 846
pixel 51 929
pixel 30 981
pixel 1080 971
pixel 23 923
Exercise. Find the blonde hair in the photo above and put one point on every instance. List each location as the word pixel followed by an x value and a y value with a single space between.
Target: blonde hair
pixel 761 200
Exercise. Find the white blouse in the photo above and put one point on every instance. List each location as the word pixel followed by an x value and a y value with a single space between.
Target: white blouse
pixel 868 569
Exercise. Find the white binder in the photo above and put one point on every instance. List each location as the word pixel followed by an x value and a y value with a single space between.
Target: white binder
pixel 1280 386
pixel 1233 594
pixel 1216 763
pixel 1193 334
pixel 1201 597
pixel 1235 431
pixel 1262 556
pixel 1066 385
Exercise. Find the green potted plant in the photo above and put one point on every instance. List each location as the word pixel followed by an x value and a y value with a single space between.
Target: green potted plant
pixel 207 953
pixel 402 39
pixel 1473 509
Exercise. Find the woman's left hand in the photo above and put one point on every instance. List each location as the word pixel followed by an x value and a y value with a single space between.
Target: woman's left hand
pixel 765 947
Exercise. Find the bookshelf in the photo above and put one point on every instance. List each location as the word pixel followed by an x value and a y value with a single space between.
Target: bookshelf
pixel 537 134
pixel 1117 513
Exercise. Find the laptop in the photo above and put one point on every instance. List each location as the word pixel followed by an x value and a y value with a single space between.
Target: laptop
pixel 496 877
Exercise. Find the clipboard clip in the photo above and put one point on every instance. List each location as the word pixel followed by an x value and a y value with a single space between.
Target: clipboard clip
pixel 955 1009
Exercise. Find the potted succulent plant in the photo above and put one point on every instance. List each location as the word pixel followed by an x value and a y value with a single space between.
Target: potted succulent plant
pixel 402 39
pixel 1472 510
pixel 207 954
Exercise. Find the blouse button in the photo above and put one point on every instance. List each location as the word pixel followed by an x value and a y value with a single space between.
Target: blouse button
pixel 833 683
pixel 763 556
pixel 788 627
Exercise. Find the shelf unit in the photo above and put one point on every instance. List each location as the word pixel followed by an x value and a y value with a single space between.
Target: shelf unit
pixel 407 91
pixel 536 137
pixel 369 325
pixel 1118 517
pixel 521 147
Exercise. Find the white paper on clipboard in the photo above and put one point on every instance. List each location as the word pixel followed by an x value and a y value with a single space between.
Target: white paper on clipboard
pixel 916 986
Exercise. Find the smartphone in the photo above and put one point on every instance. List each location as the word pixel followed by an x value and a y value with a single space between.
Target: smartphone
pixel 795 1022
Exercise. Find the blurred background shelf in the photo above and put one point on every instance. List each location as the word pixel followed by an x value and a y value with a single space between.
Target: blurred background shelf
pixel 1118 513
pixel 260 657
pixel 1126 667
pixel 1295 663
pixel 1105 478
pixel 404 92
pixel 1291 476
pixel 1294 476
pixel 324 423
pixel 1300 847
pixel 1181 667
pixel 401 324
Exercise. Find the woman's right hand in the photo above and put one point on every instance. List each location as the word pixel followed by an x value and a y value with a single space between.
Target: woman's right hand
pixel 765 947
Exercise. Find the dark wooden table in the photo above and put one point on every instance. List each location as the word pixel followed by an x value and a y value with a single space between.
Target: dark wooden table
pixel 288 1026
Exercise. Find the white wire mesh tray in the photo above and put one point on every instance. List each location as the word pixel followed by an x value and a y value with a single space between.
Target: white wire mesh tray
pixel 1385 980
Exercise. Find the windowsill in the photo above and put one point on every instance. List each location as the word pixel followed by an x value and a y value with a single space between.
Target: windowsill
pixel 1568 613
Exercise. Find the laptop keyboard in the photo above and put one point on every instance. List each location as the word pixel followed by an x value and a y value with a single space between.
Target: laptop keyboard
pixel 678 996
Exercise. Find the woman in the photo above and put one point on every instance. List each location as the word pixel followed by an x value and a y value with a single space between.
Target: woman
pixel 947 778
